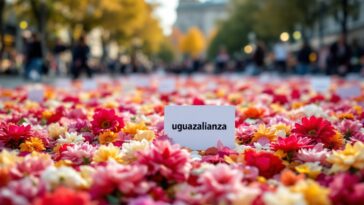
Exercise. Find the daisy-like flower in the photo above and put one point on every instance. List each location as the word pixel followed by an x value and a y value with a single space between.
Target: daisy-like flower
pixel 283 196
pixel 106 119
pixel 312 169
pixel 291 143
pixel 79 153
pixel 131 149
pixel 32 165
pixel 144 134
pixel 351 157
pixel 267 163
pixel 55 130
pixel 220 184
pixel 166 160
pixel 313 193
pixel 62 176
pixel 351 130
pixel 105 153
pixel 32 144
pixel 69 138
pixel 8 158
pixel 12 135
pixel 132 128
pixel 63 196
pixel 128 179
pixel 316 129
pixel 263 132
pixel 107 137
pixel 317 154
pixel 308 111
pixel 244 134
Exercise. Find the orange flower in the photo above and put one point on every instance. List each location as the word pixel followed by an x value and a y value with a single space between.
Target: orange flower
pixel 253 112
pixel 107 137
pixel 289 178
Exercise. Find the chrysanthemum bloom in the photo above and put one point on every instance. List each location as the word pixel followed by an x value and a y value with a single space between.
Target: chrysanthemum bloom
pixel 22 191
pixel 62 176
pixel 267 163
pixel 220 184
pixel 127 179
pixel 55 130
pixel 62 196
pixel 283 196
pixel 105 153
pixel 32 144
pixel 346 189
pixel 291 143
pixel 253 112
pixel 244 134
pixel 351 157
pixel 12 135
pixel 317 129
pixel 144 134
pixel 79 153
pixel 31 165
pixel 72 137
pixel 312 169
pixel 166 162
pixel 351 130
pixel 312 191
pixel 107 137
pixel 263 132
pixel 132 128
pixel 317 154
pixel 130 150
pixel 105 119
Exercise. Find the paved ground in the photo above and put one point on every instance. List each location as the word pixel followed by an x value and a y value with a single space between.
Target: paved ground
pixel 13 81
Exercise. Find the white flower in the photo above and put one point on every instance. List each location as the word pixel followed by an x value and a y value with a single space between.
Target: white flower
pixel 283 196
pixel 310 110
pixel 66 176
pixel 72 137
pixel 129 150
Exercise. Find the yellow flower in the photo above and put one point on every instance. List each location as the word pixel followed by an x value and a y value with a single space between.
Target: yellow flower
pixel 107 137
pixel 313 193
pixel 130 149
pixel 309 168
pixel 144 134
pixel 282 129
pixel 32 144
pixel 46 114
pixel 345 115
pixel 106 153
pixel 263 131
pixel 55 130
pixel 8 158
pixel 351 157
pixel 132 128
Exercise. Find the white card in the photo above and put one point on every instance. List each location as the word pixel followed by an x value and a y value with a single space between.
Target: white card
pixel 36 94
pixel 320 84
pixel 348 92
pixel 167 85
pixel 200 127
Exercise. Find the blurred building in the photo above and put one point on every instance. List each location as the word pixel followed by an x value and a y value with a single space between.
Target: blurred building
pixel 331 28
pixel 201 14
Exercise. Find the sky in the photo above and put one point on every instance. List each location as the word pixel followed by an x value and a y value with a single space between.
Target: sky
pixel 167 13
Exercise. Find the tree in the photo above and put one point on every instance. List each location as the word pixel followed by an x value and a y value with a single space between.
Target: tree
pixel 193 43
pixel 2 32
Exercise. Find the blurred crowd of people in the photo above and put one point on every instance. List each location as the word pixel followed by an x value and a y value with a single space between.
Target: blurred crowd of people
pixel 339 58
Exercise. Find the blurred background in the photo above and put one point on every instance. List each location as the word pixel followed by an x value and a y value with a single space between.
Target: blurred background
pixel 43 39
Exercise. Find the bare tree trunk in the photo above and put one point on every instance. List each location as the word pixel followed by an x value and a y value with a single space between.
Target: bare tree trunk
pixel 2 30
pixel 40 13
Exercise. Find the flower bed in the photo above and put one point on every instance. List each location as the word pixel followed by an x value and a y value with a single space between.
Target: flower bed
pixel 106 145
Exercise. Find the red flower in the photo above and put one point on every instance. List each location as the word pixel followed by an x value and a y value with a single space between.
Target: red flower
pixel 106 119
pixel 12 135
pixel 64 196
pixel 267 163
pixel 291 143
pixel 315 128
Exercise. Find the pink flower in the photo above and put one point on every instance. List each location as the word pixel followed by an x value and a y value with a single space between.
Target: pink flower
pixel 79 153
pixel 145 200
pixel 220 183
pixel 347 189
pixel 31 165
pixel 166 162
pixel 21 191
pixel 12 135
pixel 127 179
pixel 316 154
pixel 106 119
pixel 351 130
pixel 244 134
